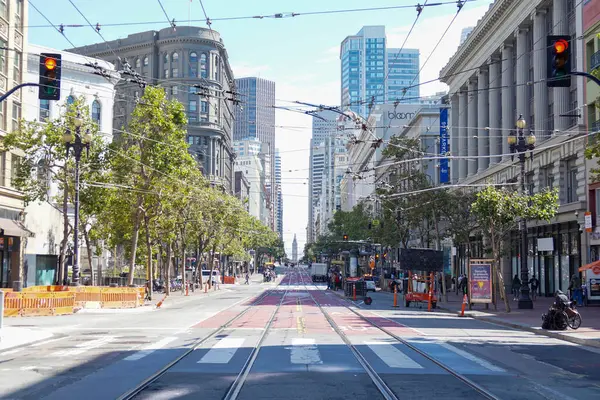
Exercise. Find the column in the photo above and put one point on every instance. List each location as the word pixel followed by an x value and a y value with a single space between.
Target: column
pixel 508 98
pixel 483 143
pixel 540 91
pixel 462 134
pixel 521 34
pixel 561 96
pixel 454 140
pixel 495 115
pixel 472 123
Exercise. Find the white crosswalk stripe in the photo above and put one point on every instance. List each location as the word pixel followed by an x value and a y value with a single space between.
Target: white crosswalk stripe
pixel 305 351
pixel 84 347
pixel 151 348
pixel 471 357
pixel 223 351
pixel 393 357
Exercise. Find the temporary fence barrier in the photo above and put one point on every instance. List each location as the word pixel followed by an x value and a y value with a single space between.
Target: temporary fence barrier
pixel 229 280
pixel 31 304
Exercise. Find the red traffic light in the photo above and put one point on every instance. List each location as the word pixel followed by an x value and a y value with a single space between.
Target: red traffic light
pixel 560 46
pixel 50 63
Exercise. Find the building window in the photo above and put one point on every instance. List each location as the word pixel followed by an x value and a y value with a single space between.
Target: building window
pixel 138 63
pixel 3 116
pixel 3 9
pixel 165 59
pixel 3 168
pixel 19 14
pixel 16 115
pixel 217 64
pixel 203 65
pixel 17 67
pixel 145 60
pixel 175 57
pixel 96 113
pixel 204 107
pixel 193 111
pixel 15 161
pixel 44 110
pixel 166 73
pixel 3 50
pixel 571 170
pixel 174 90
pixel 175 72
pixel 193 64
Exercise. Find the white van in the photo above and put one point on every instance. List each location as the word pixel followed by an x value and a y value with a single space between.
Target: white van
pixel 206 273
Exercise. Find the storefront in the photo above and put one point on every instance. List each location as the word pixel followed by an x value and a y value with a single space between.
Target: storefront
pixel 555 262
pixel 11 233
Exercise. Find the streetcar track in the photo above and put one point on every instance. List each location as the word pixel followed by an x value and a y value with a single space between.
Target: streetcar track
pixel 478 388
pixel 153 378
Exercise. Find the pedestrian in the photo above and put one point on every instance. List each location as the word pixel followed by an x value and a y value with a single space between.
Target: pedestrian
pixel 575 287
pixel 247 278
pixel 534 286
pixel 516 285
pixel 338 282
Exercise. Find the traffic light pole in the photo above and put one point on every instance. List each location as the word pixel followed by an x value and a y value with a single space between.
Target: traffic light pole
pixel 590 76
pixel 11 91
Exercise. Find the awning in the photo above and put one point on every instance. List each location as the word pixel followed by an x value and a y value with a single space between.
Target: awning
pixel 14 228
pixel 590 266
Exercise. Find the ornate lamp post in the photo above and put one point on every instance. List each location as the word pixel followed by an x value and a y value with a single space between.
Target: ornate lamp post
pixel 77 142
pixel 520 145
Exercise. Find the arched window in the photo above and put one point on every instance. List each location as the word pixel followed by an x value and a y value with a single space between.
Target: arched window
pixel 203 65
pixel 146 61
pixel 193 64
pixel 137 63
pixel 175 65
pixel 70 100
pixel 175 57
pixel 216 73
pixel 96 112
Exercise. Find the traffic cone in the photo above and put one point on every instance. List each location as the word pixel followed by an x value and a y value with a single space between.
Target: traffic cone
pixel 464 304
pixel 161 302
pixel 395 296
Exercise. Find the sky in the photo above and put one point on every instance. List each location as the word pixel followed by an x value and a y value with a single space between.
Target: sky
pixel 301 54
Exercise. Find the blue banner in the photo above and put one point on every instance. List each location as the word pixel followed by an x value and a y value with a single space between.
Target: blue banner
pixel 444 170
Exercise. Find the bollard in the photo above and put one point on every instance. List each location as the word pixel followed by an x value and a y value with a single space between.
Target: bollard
pixel 206 287
pixel 187 289
pixel 395 295
pixel 1 308
pixel 354 292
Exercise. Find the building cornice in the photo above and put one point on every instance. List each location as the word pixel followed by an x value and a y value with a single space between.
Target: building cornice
pixel 498 24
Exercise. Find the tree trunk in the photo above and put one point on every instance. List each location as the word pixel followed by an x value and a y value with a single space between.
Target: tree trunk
pixel 149 256
pixel 496 251
pixel 134 240
pixel 211 257
pixel 168 270
pixel 86 236
pixel 183 272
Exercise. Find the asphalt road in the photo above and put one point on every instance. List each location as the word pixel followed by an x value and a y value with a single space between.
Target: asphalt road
pixel 298 356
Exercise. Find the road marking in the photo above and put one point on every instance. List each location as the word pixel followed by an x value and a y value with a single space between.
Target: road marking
pixel 471 357
pixel 151 348
pixel 33 367
pixel 393 357
pixel 223 351
pixel 304 351
pixel 5 353
pixel 300 326
pixel 83 347
pixel 45 342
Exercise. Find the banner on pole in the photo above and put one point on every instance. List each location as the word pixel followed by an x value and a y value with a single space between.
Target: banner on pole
pixel 444 170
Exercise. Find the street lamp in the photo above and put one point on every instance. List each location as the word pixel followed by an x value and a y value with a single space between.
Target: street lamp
pixel 521 144
pixel 77 142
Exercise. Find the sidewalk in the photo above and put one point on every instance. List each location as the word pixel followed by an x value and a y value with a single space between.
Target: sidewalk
pixel 13 336
pixel 531 320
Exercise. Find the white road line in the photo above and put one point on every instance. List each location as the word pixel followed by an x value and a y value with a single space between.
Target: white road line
pixel 48 341
pixel 151 348
pixel 5 353
pixel 304 351
pixel 471 357
pixel 223 351
pixel 83 347
pixel 393 357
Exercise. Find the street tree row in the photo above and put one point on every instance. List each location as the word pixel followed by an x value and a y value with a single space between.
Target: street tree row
pixel 141 190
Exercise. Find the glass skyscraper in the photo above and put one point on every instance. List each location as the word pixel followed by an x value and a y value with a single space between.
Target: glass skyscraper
pixel 365 61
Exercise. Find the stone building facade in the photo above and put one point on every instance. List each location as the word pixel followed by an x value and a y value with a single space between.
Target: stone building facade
pixel 177 60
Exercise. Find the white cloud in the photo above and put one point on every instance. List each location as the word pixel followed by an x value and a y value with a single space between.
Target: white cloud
pixel 426 34
pixel 330 55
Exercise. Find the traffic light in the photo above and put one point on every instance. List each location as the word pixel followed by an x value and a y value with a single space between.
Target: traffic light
pixel 376 256
pixel 559 61
pixel 345 238
pixel 50 68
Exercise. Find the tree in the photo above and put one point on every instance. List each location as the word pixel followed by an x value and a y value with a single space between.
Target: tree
pixel 148 159
pixel 499 210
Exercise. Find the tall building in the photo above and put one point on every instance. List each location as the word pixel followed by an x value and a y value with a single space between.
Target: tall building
pixel 43 218
pixel 295 250
pixel 252 168
pixel 492 96
pixel 255 119
pixel 178 60
pixel 365 62
pixel 279 194
pixel 14 14
pixel 324 129
pixel 465 33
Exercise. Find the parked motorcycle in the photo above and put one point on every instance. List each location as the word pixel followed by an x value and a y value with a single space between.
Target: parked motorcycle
pixel 562 314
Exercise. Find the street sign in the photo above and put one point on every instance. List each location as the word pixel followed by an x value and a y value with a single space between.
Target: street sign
pixel 588 221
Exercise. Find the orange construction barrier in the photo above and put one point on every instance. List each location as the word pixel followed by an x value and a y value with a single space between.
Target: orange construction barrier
pixel 229 280
pixel 161 302
pixel 395 296
pixel 464 304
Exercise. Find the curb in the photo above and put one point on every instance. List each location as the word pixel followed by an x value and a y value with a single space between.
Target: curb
pixel 538 331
